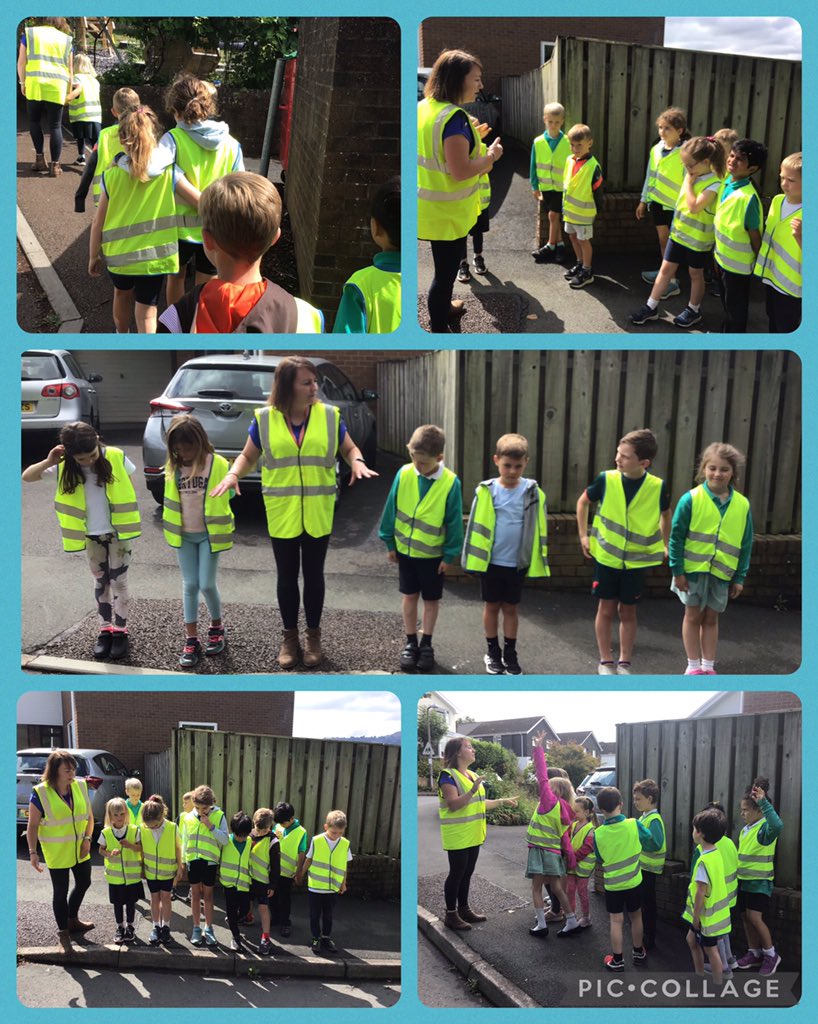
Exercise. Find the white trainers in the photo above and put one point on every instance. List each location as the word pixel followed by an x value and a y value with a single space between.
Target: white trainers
pixel 606 668
pixel 623 668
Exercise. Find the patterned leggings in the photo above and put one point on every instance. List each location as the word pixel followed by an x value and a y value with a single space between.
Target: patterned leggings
pixel 108 560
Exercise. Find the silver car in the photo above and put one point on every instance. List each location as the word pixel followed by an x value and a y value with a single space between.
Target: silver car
pixel 55 391
pixel 104 773
pixel 223 392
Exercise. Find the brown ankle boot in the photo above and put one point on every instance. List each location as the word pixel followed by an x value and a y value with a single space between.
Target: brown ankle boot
pixel 313 655
pixel 39 166
pixel 290 653
pixel 455 921
pixel 64 942
pixel 469 915
pixel 75 925
pixel 54 168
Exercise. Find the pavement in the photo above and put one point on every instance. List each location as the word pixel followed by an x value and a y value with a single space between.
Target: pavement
pixel 512 968
pixel 519 295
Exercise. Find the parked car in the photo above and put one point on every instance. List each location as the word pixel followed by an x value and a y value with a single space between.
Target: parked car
pixel 223 392
pixel 104 773
pixel 55 391
pixel 596 780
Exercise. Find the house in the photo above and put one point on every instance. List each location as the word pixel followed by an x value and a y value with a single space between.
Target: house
pixel 437 702
pixel 515 734
pixel 607 755
pixel 589 743
pixel 747 702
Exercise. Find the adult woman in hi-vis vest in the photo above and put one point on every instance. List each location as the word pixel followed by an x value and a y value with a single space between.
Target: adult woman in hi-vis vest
pixel 45 67
pixel 297 440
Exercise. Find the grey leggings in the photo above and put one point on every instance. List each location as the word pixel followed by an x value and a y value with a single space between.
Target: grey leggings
pixel 198 564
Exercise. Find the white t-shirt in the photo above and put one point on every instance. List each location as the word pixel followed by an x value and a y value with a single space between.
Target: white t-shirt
pixel 332 843
pixel 120 833
pixel 97 509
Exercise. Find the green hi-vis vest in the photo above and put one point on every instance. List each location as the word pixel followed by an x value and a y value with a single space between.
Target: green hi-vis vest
pixel 259 860
pixel 139 234
pixel 419 524
pixel 550 165
pixel 485 184
pixel 201 167
pixel 135 815
pixel 447 208
pixel 620 850
pixel 466 827
pixel 653 863
pixel 219 520
pixel 234 867
pixel 578 206
pixel 665 176
pixel 713 541
pixel 86 106
pixel 108 145
pixel 755 862
pixel 47 53
pixel 62 829
pixel 546 830
pixel 381 290
pixel 578 836
pixel 694 230
pixel 121 497
pixel 127 867
pixel 328 867
pixel 532 554
pixel 715 914
pixel 733 249
pixel 289 850
pixel 779 259
pixel 298 483
pixel 729 857
pixel 627 536
pixel 159 858
pixel 199 841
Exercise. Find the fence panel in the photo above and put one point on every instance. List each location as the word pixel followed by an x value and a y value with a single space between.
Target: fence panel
pixel 157 774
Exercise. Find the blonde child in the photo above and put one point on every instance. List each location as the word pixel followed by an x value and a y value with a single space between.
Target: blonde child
pixel 582 195
pixel 692 233
pixel 121 852
pixel 265 871
pixel 92 480
pixel 326 866
pixel 234 875
pixel 134 234
pixel 779 259
pixel 756 857
pixel 133 792
pixel 198 526
pixel 663 181
pixel 162 861
pixel 727 137
pixel 187 807
pixel 706 909
pixel 84 110
pixel 550 853
pixel 422 527
pixel 581 833
pixel 205 833
pixel 549 154
pixel 204 150
pixel 370 302
pixel 105 149
pixel 292 838
pixel 711 539
pixel 646 801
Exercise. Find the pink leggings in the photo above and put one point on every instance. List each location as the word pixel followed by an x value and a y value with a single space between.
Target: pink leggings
pixel 578 887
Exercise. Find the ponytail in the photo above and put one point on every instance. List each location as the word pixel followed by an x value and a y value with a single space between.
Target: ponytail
pixel 138 133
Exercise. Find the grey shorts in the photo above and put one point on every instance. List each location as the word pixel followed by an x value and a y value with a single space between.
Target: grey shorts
pixel 705 591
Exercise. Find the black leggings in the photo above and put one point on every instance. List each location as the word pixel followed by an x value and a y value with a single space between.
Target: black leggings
pixel 125 912
pixel 735 298
pixel 447 257
pixel 307 553
pixel 36 109
pixel 282 901
pixel 236 905
pixel 461 868
pixel 783 311
pixel 67 907
pixel 321 905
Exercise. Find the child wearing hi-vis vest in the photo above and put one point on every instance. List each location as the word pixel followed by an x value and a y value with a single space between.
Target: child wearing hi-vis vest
pixel 134 234
pixel 707 909
pixel 581 834
pixel 121 851
pixel 779 259
pixel 84 110
pixel 133 800
pixel 106 148
pixel 710 544
pixel 756 859
pixel 292 841
pixel 205 833
pixel 162 863
pixel 265 871
pixel 234 875
pixel 326 869
pixel 198 526
pixel 506 542
pixel 422 527
pixel 646 800
pixel 581 198
pixel 370 302
pixel 729 857
pixel 97 513
pixel 549 155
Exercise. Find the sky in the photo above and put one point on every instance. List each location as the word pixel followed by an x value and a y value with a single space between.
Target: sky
pixel 318 714
pixel 570 711
pixel 761 37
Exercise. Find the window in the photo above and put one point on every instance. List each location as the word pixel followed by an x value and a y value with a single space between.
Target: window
pixel 110 765
pixel 546 49
pixel 213 726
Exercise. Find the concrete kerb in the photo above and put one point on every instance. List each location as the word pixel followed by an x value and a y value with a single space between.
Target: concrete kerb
pixel 48 664
pixel 499 990
pixel 71 322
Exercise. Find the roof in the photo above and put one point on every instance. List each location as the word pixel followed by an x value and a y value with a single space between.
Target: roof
pixel 578 737
pixel 607 746
pixel 504 726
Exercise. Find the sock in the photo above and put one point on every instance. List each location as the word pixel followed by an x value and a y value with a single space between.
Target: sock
pixel 586 268
pixel 265 935
pixel 540 917
pixel 637 949
pixel 769 952
pixel 510 643
pixel 653 303
pixel 708 664
pixel 695 308
pixel 560 245
pixel 618 958
pixel 548 245
pixel 426 640
pixel 493 644
pixel 694 663
pixel 755 952
pixel 412 638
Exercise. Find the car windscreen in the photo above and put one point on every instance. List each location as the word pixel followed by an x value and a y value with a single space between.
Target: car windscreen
pixel 249 384
pixel 605 778
pixel 34 764
pixel 41 367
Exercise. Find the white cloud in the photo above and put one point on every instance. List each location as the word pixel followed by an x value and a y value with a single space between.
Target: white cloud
pixel 759 37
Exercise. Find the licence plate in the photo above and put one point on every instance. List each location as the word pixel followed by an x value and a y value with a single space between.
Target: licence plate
pixel 22 812
pixel 29 406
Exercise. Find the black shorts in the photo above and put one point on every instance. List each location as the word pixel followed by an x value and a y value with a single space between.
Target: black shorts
pixel 482 225
pixel 202 872
pixel 122 895
pixel 146 288
pixel 87 130
pixel 194 250
pixel 258 892
pixel 661 216
pixel 160 884
pixel 752 901
pixel 552 200
pixel 420 576
pixel 619 900
pixel 705 940
pixel 623 585
pixel 675 253
pixel 502 584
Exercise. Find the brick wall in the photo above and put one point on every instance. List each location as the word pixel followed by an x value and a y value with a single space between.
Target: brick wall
pixel 375 877
pixel 360 366
pixel 133 724
pixel 615 227
pixel 345 140
pixel 760 703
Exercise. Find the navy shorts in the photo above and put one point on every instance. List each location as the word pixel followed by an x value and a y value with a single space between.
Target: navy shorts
pixel 258 892
pixel 420 576
pixel 661 216
pixel 619 900
pixel 752 901
pixel 704 940
pixel 676 253
pixel 146 288
pixel 622 585
pixel 202 872
pixel 502 584
pixel 552 200
pixel 194 251
pixel 160 884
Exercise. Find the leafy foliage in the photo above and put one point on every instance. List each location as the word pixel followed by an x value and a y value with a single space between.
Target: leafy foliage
pixel 494 757
pixel 573 759
pixel 430 724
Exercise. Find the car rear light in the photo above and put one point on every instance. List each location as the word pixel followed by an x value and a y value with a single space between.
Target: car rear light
pixel 60 391
pixel 93 781
pixel 154 470
pixel 168 405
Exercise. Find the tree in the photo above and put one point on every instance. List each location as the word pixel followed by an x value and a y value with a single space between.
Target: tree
pixel 432 727
pixel 496 758
pixel 465 720
pixel 573 759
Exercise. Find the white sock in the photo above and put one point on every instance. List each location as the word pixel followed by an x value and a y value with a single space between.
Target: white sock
pixel 770 951
pixel 653 303
pixel 708 664
pixel 694 663
pixel 694 308
pixel 540 917
pixel 570 921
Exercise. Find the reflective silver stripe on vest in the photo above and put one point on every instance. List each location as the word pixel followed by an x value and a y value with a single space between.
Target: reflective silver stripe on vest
pixel 730 243
pixel 702 538
pixel 124 506
pixel 187 220
pixel 430 164
pixel 428 527
pixel 172 504
pixel 546 831
pixel 480 530
pixel 630 556
pixel 756 858
pixel 481 553
pixel 144 227
pixel 175 528
pixel 435 196
pixel 460 821
pixel 620 864
pixel 218 520
pixel 72 534
pixel 629 535
pixel 288 461
pixel 289 861
pixel 255 859
pixel 656 176
pixel 69 510
pixel 60 76
pixel 426 549
pixel 158 252
pixel 295 492
pixel 727 549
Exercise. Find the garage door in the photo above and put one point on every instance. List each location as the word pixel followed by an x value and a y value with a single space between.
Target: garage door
pixel 129 381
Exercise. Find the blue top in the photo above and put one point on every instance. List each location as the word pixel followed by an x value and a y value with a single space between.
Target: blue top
pixel 452 522
pixel 681 524
pixel 458 124
pixel 508 526
pixel 752 217
pixel 532 173
pixel 298 429
pixel 351 315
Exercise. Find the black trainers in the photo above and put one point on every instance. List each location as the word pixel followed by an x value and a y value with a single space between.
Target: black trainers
pixel 315 945
pixel 687 318
pixel 577 267
pixel 328 944
pixel 426 658
pixel 639 955
pixel 130 934
pixel 215 640
pixel 643 314
pixel 409 656
pixel 510 662
pixel 583 278
pixel 120 933
pixel 119 645
pixel 544 254
pixel 559 253
pixel 494 662
pixel 463 273
pixel 613 963
pixel 479 264
pixel 165 933
pixel 102 648
pixel 265 947
pixel 191 652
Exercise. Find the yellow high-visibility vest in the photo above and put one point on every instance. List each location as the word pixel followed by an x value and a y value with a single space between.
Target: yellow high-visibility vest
pixel 627 536
pixel 47 54
pixel 755 862
pixel 289 845
pixel 588 863
pixel 381 290
pixel 620 850
pixel 218 517
pixel 71 508
pixel 665 176
pixel 578 205
pixel 108 145
pixel 715 914
pixel 328 867
pixel 779 258
pixel 466 827
pixel 447 208
pixel 547 829
pixel 694 230
pixel 86 106
pixel 63 828
pixel 127 867
pixel 419 523
pixel 479 539
pixel 201 167
pixel 550 164
pixel 733 249
pixel 713 541
pixel 159 858
pixel 654 862
pixel 234 867
pixel 140 231
pixel 199 841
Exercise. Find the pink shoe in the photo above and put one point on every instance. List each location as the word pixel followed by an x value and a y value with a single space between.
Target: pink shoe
pixel 769 964
pixel 694 671
pixel 709 672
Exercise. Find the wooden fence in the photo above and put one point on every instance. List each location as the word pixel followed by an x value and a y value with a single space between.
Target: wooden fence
pixel 573 406
pixel 619 89
pixel 695 760
pixel 248 771
pixel 159 778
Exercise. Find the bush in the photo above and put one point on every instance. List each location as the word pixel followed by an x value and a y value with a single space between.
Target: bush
pixel 507 815
pixel 493 757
